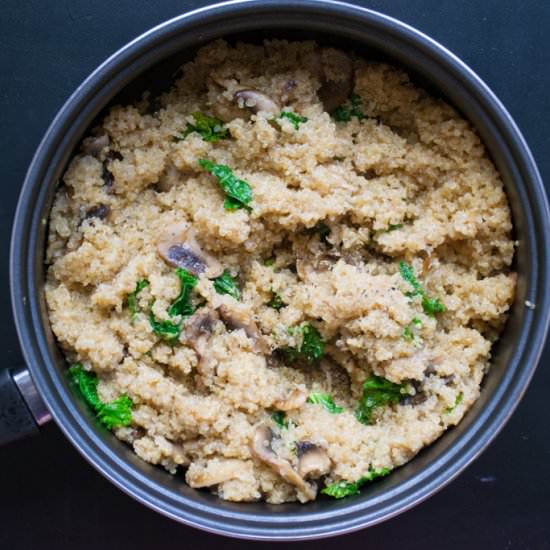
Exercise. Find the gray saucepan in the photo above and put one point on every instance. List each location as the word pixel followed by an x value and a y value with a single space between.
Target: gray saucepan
pixel 29 397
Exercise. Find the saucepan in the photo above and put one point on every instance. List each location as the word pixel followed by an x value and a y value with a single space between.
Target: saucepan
pixel 30 396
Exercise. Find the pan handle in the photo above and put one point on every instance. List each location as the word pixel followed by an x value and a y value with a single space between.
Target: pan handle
pixel 21 407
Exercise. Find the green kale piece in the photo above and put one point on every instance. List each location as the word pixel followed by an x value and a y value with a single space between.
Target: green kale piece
pixel 238 192
pixel 342 489
pixel 409 334
pixel 431 306
pixel 350 109
pixel 182 307
pixel 276 301
pixel 279 417
pixel 132 298
pixel 112 414
pixel 312 346
pixel 458 400
pixel 210 128
pixel 378 392
pixel 182 304
pixel 326 401
pixel 227 284
pixel 294 118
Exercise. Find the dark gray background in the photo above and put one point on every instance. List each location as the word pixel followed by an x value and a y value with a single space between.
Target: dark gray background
pixel 50 498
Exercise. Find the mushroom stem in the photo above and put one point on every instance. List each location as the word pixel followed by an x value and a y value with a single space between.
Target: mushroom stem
pixel 260 448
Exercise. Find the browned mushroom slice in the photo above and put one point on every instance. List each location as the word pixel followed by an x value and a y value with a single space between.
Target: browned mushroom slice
pixel 313 461
pixel 295 400
pixel 256 101
pixel 198 330
pixel 179 248
pixel 260 448
pixel 238 318
pixel 94 145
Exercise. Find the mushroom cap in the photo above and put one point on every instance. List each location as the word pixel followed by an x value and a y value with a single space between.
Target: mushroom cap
pixel 314 461
pixel 256 101
pixel 179 247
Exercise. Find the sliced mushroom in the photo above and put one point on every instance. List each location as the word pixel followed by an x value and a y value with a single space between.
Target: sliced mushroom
pixel 198 330
pixel 178 247
pixel 100 211
pixel 238 318
pixel 256 101
pixel 260 448
pixel 295 400
pixel 94 145
pixel 313 462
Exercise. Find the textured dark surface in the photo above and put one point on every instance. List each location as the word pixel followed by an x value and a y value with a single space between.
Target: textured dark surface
pixel 51 498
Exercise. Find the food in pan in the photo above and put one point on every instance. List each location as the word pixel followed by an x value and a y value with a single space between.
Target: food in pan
pixel 284 276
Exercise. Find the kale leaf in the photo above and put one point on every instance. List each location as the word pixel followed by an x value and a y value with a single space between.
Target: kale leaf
pixel 311 347
pixel 238 192
pixel 294 118
pixel 458 400
pixel 114 413
pixel 181 307
pixel 326 401
pixel 132 298
pixel 409 333
pixel 210 128
pixel 342 489
pixel 431 306
pixel 227 284
pixel 276 301
pixel 350 109
pixel 378 392
pixel 182 304
pixel 168 330
pixel 279 417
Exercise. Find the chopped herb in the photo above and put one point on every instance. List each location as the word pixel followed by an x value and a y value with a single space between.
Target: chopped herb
pixel 409 334
pixel 294 118
pixel 269 262
pixel 181 307
pixel 326 401
pixel 239 192
pixel 350 109
pixel 378 392
pixel 133 305
pixel 407 273
pixel 311 347
pixel 114 413
pixel 167 329
pixel 279 417
pixel 210 128
pixel 458 400
pixel 342 489
pixel 226 284
pixel 182 304
pixel 431 306
pixel 394 226
pixel 276 301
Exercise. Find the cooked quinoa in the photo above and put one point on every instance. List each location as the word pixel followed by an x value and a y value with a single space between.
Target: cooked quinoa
pixel 318 325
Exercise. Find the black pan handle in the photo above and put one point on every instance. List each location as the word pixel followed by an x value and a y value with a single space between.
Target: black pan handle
pixel 21 407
